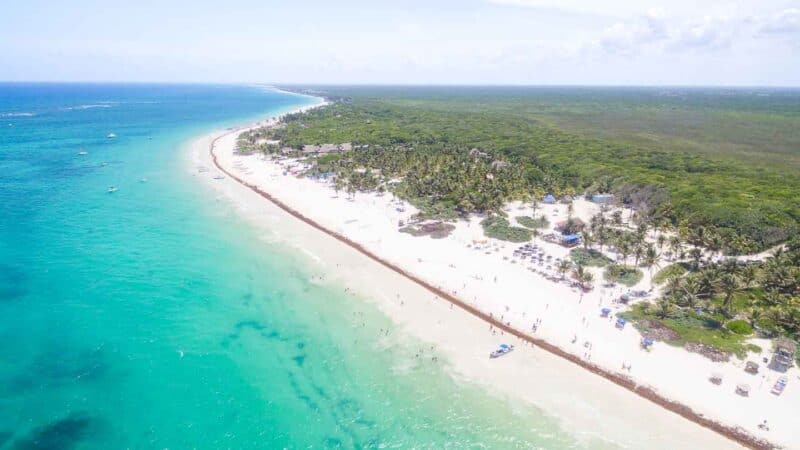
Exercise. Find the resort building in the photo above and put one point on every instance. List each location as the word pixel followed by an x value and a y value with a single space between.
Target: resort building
pixel 603 198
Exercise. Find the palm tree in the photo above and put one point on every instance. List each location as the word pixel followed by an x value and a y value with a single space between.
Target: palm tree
pixel 714 243
pixel 563 266
pixel 675 246
pixel 588 240
pixel 651 258
pixel 664 306
pixel 729 284
pixel 638 252
pixel 706 283
pixel 660 241
pixel 602 236
pixel 624 248
pixel 690 289
pixel 582 276
pixel 754 314
pixel 696 254
pixel 616 217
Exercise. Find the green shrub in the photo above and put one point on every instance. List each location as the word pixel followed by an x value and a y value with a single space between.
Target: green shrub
pixel 739 327
pixel 620 273
pixel 530 222
pixel 754 348
pixel 673 270
pixel 590 257
pixel 498 228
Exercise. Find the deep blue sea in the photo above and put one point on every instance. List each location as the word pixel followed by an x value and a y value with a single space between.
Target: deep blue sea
pixel 145 318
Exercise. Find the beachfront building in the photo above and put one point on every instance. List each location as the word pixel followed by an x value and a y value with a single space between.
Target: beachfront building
pixel 567 240
pixel 323 149
pixel 570 226
pixel 570 240
pixel 783 358
pixel 603 199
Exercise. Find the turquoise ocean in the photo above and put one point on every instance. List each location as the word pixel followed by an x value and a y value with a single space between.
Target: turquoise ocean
pixel 146 318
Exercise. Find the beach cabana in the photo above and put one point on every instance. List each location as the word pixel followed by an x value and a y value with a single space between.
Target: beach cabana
pixel 716 378
pixel 783 358
pixel 605 312
pixel 549 199
pixel 570 240
pixel 647 343
pixel 751 367
pixel 620 323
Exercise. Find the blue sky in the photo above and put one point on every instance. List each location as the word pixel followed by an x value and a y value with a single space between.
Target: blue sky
pixel 613 42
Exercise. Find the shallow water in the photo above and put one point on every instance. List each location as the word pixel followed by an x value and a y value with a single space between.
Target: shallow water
pixel 146 318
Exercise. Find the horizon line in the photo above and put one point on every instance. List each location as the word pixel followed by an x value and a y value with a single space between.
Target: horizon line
pixel 363 84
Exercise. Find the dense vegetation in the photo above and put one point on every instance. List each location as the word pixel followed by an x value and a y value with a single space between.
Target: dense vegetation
pixel 728 299
pixel 619 273
pixel 706 174
pixel 589 257
pixel 499 228
pixel 534 223
pixel 472 151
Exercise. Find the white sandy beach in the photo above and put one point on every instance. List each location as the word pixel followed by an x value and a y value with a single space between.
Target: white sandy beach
pixel 598 408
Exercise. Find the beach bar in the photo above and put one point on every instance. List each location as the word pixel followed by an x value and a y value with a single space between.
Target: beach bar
pixel 603 198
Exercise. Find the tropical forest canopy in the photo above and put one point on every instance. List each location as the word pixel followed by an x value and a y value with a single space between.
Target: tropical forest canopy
pixel 722 160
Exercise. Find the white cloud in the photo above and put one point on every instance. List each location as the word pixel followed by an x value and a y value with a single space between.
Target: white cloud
pixel 628 36
pixel 786 21
pixel 657 32
pixel 712 33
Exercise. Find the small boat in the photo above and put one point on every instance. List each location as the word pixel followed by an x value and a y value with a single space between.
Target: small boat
pixel 504 349
pixel 112 189
pixel 83 152
pixel 219 177
pixel 111 135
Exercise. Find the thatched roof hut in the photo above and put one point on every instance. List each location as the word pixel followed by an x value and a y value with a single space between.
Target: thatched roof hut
pixel 570 226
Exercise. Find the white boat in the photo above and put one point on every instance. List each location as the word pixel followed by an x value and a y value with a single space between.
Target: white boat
pixel 83 152
pixel 111 135
pixel 219 177
pixel 112 189
pixel 504 349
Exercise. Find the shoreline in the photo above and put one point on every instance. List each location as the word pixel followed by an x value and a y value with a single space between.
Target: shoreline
pixel 629 384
